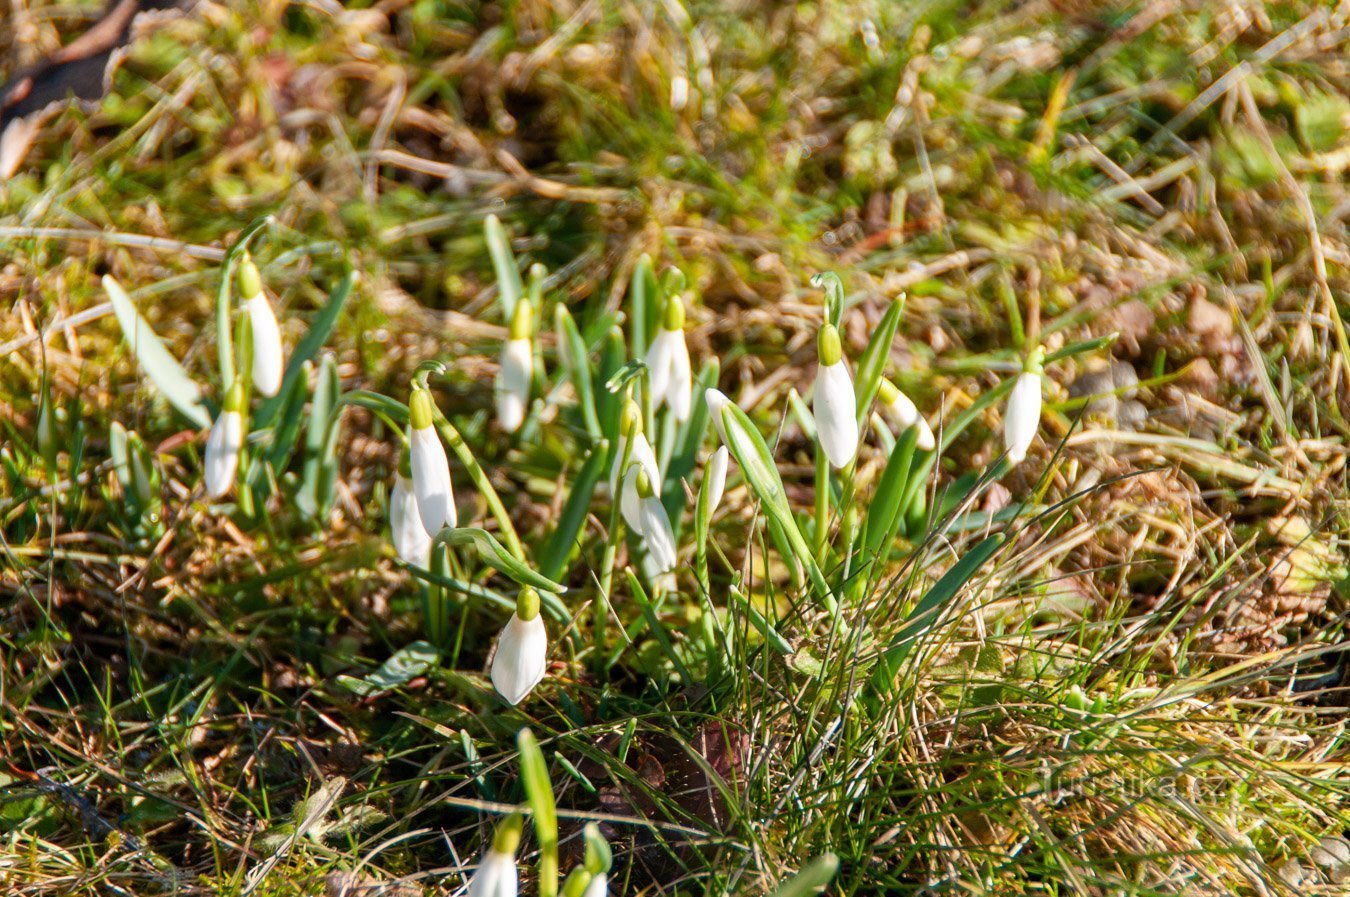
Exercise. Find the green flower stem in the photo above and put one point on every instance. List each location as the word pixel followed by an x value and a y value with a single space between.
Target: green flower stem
pixel 822 503
pixel 480 480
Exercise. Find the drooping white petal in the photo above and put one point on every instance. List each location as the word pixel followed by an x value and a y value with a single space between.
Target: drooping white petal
pixel 717 401
pixel 680 390
pixel 658 537
pixel 431 480
pixel 835 409
pixel 907 415
pixel 522 651
pixel 716 472
pixel 513 383
pixel 660 357
pixel 222 452
pixel 269 359
pixel 1022 418
pixel 599 886
pixel 644 459
pixel 496 876
pixel 410 537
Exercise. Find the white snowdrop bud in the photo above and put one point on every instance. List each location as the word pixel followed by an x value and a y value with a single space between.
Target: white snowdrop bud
pixel 269 360
pixel 906 414
pixel 430 467
pixel 516 371
pixel 224 443
pixel 522 650
pixel 835 403
pixel 1022 417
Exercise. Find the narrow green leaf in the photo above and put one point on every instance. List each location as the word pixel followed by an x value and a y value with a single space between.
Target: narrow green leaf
pixel 310 344
pixel 642 301
pixel 883 512
pixel 609 405
pixel 1090 345
pixel 658 630
pixel 760 472
pixel 543 810
pixel 811 879
pixel 317 481
pixel 872 363
pixel 162 368
pixel 576 362
pixel 553 559
pixel 761 623
pixel 509 285
pixel 929 610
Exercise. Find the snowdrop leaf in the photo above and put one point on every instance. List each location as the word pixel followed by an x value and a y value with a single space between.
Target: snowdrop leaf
pixel 872 362
pixel 509 285
pixel 609 405
pixel 1090 345
pixel 642 298
pixel 811 878
pixel 163 369
pixel 544 812
pixel 929 609
pixel 762 624
pixel 576 361
pixel 224 306
pixel 759 471
pixel 319 479
pixel 657 628
pixel 319 330
pixel 402 667
pixel 553 559
pixel 883 512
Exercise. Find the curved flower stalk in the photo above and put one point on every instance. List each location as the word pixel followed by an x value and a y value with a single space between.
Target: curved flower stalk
pixel 835 403
pixel 512 386
pixel 716 472
pixel 224 443
pixel 497 875
pixel 411 540
pixel 668 367
pixel 522 650
pixel 1022 417
pixel 432 489
pixel 269 360
pixel 906 414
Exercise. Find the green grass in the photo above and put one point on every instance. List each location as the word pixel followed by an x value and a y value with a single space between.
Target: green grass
pixel 1102 706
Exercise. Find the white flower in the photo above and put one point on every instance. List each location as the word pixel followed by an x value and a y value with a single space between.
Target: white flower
pixel 642 459
pixel 599 886
pixel 222 452
pixel 430 468
pixel 513 383
pixel 907 415
pixel 657 535
pixel 835 403
pixel 679 98
pixel 411 539
pixel 522 652
pixel 1022 417
pixel 496 876
pixel 717 402
pixel 716 472
pixel 517 369
pixel 268 358
pixel 669 371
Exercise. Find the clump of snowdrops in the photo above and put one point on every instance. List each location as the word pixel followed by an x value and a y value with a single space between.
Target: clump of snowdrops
pixel 650 420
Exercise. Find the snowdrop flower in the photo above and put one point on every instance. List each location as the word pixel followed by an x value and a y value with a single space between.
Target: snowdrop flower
pixel 630 430
pixel 599 886
pixel 497 875
pixel 411 540
pixel 905 414
pixel 835 403
pixel 671 376
pixel 517 369
pixel 717 403
pixel 522 650
pixel 268 356
pixel 224 443
pixel 1022 417
pixel 648 518
pixel 716 472
pixel 434 494
pixel 679 98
